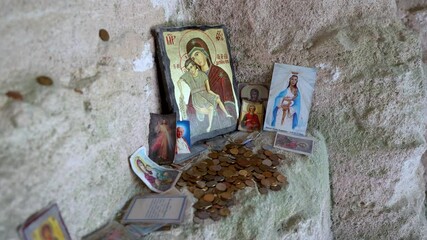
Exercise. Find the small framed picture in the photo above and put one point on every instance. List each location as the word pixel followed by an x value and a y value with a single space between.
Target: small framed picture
pixel 297 144
pixel 198 78
pixel 162 138
pixel 45 224
pixel 253 92
pixel 251 116
pixel 289 99
pixel 183 140
pixel 157 178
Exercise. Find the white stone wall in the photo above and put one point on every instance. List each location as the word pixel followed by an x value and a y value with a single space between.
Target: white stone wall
pixel 71 146
pixel 369 100
pixel 69 143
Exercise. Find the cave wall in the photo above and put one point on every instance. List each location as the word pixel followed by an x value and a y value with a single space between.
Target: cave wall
pixel 369 100
pixel 69 142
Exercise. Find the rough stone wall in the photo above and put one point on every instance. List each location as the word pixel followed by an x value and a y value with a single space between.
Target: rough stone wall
pixel 69 142
pixel 369 100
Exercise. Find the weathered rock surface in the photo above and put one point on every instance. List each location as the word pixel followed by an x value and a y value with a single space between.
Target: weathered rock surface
pixel 69 142
pixel 369 101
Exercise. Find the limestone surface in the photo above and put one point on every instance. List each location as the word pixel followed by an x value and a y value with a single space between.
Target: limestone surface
pixel 369 101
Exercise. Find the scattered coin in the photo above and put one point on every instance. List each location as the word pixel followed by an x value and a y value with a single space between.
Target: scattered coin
pixel 202 214
pixel 44 80
pixel 263 190
pixel 221 187
pixel 209 197
pixel 103 34
pixel 15 95
pixel 224 212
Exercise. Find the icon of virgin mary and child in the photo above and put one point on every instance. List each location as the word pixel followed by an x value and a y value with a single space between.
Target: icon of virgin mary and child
pixel 211 103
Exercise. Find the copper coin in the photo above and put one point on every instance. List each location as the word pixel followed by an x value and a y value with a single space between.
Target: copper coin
pixel 273 181
pixel 202 205
pixel 15 95
pixel 265 182
pixel 44 80
pixel 240 185
pixel 215 216
pixel 211 184
pixel 209 197
pixel 259 176
pixel 201 184
pixel 215 168
pixel 267 162
pixel 202 214
pixel 248 154
pixel 243 162
pixel 276 188
pixel 263 190
pixel 268 153
pixel 213 155
pixel 224 212
pixel 209 177
pixel 275 162
pixel 250 183
pixel 221 187
pixel 219 178
pixel 243 173
pixel 226 195
pixel 274 157
pixel 261 156
pixel 215 161
pixel 227 173
pixel 267 174
pixel 281 178
pixel 103 34
pixel 198 193
pixel 234 151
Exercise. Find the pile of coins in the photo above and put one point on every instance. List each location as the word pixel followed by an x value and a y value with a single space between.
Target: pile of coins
pixel 215 180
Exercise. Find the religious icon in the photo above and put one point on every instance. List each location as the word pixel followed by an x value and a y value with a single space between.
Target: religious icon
pixel 290 97
pixel 47 224
pixel 199 79
pixel 162 138
pixel 251 116
pixel 254 92
pixel 157 178
pixel 183 142
pixel 297 144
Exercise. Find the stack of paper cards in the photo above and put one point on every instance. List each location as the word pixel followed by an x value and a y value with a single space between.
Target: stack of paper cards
pixel 156 209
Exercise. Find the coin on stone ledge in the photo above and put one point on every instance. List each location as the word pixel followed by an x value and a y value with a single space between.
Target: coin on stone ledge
pixel 221 187
pixel 103 34
pixel 224 212
pixel 44 80
pixel 209 197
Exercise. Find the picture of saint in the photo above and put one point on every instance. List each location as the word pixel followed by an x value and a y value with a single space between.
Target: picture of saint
pixel 47 224
pixel 181 144
pixel 290 98
pixel 204 100
pixel 162 138
pixel 251 116
pixel 287 102
pixel 200 79
pixel 156 177
pixel 253 92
